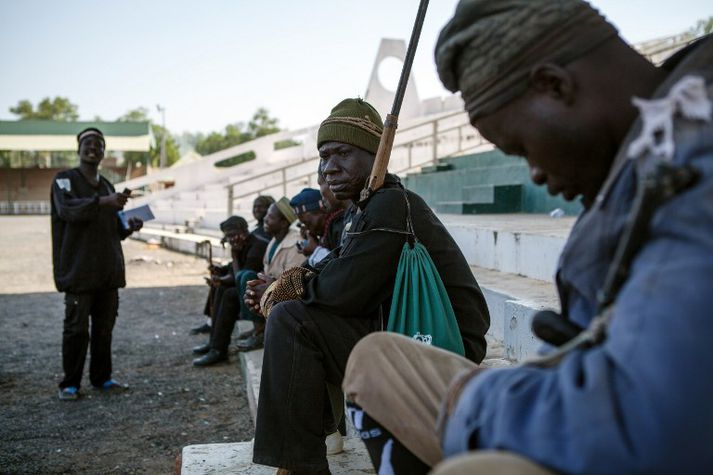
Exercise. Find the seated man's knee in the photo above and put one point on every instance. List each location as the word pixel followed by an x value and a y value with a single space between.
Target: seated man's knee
pixel 367 350
pixel 489 462
pixel 283 316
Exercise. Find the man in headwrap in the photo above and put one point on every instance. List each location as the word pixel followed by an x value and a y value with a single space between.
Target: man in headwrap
pixel 246 253
pixel 281 254
pixel 551 81
pixel 308 339
pixel 88 264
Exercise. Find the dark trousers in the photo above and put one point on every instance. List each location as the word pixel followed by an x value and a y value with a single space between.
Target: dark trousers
pixel 102 307
pixel 227 312
pixel 305 348
pixel 230 306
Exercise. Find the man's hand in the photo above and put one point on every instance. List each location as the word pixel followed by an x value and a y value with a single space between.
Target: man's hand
pixel 309 246
pixel 256 288
pixel 135 224
pixel 115 200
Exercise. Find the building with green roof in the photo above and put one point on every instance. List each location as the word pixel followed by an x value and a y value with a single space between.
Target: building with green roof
pixel 50 135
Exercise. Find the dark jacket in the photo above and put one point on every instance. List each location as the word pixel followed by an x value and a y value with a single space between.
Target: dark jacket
pixel 251 255
pixel 86 238
pixel 361 279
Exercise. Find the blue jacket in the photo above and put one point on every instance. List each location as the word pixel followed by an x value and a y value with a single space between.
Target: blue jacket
pixel 641 402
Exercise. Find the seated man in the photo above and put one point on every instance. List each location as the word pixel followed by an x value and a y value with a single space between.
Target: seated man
pixel 246 252
pixel 310 210
pixel 281 254
pixel 553 82
pixel 260 205
pixel 307 341
pixel 336 210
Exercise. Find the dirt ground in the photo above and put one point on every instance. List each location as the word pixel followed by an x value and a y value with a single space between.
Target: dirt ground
pixel 170 404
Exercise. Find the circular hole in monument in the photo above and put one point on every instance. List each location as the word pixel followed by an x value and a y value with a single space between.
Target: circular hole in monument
pixel 389 72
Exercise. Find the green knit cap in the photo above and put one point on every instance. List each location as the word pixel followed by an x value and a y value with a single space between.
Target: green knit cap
pixel 352 121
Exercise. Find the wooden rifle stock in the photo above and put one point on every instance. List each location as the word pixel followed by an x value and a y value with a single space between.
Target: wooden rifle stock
pixel 383 153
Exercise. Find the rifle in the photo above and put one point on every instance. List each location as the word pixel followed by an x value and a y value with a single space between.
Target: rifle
pixel 386 143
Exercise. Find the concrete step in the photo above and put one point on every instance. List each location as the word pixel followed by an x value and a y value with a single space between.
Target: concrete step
pixel 512 301
pixel 479 160
pixel 485 199
pixel 229 459
pixel 439 167
pixel 528 245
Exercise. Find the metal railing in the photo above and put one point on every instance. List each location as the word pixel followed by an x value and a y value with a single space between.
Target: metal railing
pixel 25 207
pixel 433 136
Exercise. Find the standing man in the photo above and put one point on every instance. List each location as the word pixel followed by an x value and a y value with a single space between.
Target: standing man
pixel 88 263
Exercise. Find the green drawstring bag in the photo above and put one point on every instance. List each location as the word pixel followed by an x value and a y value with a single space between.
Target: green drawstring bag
pixel 420 307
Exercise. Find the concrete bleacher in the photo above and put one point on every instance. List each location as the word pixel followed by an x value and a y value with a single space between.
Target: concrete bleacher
pixel 512 255
pixel 486 183
pixel 513 258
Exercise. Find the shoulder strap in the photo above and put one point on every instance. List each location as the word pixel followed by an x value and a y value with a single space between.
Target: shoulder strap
pixel 409 232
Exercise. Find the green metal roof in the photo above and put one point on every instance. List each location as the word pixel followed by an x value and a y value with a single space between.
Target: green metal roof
pixel 51 127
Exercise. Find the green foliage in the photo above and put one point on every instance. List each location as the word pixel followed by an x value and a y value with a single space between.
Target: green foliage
pixel 260 125
pixel 58 108
pixel 141 114
pixel 287 143
pixel 236 160
pixel 703 27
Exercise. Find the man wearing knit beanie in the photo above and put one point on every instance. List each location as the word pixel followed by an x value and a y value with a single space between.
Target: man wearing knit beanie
pixel 308 339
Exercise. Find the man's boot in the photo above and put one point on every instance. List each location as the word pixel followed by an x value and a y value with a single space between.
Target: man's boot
pixel 210 358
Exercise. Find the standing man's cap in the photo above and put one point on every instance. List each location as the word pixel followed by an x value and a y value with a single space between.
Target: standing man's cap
pixel 354 122
pixel 306 200
pixel 488 49
pixel 287 212
pixel 88 132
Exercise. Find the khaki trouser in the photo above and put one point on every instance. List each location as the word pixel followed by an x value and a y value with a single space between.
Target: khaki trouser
pixel 401 384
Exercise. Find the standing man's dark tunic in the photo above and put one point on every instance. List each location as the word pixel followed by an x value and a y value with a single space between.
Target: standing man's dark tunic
pixel 89 268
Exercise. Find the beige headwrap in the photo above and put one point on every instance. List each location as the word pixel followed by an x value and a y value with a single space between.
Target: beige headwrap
pixel 283 204
pixel 488 49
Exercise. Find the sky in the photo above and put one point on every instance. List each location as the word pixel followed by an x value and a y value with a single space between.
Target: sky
pixel 214 62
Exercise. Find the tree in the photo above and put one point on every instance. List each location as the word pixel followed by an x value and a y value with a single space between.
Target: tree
pixel 703 27
pixel 260 124
pixel 59 108
pixel 141 114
